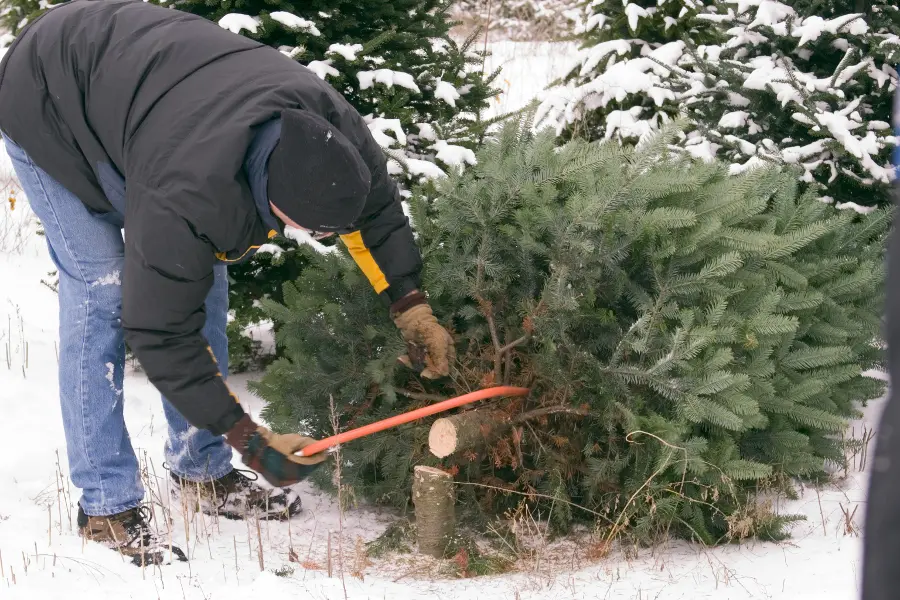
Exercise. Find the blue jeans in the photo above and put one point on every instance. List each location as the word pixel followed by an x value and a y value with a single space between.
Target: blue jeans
pixel 88 251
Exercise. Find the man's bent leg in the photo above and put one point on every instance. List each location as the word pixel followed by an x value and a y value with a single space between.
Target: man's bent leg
pixel 196 454
pixel 89 254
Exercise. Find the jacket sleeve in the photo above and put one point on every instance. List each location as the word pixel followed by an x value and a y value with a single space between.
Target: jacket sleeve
pixel 167 276
pixel 383 245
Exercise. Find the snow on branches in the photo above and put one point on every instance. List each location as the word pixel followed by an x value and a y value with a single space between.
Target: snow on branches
pixel 757 80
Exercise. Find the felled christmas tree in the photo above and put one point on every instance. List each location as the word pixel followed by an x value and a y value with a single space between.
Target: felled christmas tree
pixel 779 86
pixel 685 335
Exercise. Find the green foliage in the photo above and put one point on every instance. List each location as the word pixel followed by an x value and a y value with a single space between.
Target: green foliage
pixel 398 537
pixel 248 284
pixel 15 14
pixel 624 34
pixel 685 334
pixel 808 83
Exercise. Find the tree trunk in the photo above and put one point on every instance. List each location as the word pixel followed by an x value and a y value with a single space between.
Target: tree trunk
pixel 469 429
pixel 435 503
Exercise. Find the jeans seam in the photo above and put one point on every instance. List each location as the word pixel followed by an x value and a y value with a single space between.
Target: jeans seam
pixel 108 512
pixel 81 383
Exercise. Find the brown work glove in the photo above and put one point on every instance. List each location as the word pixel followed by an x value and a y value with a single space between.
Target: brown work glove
pixel 427 342
pixel 272 454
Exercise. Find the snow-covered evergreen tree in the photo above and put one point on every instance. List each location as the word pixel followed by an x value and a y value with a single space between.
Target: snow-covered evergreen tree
pixel 772 85
pixel 807 90
pixel 394 61
pixel 617 87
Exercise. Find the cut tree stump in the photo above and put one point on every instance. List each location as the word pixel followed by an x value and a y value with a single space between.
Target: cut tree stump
pixel 470 429
pixel 435 503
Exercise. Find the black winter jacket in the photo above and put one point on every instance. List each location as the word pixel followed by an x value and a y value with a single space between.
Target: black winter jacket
pixel 101 89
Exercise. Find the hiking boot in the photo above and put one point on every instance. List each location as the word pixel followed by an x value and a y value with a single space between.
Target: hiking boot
pixel 128 533
pixel 236 496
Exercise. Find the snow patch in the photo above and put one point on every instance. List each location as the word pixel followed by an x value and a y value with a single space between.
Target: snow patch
pixel 111 378
pixel 109 279
pixel 303 237
pixel 236 22
pixel 755 162
pixel 378 126
pixel 272 249
pixel 626 124
pixel 423 168
pixel 733 120
pixel 348 51
pixel 387 77
pixel 292 21
pixel 446 92
pixel 634 14
pixel 592 57
pixel 427 132
pixel 454 156
pixel 863 210
pixel 323 68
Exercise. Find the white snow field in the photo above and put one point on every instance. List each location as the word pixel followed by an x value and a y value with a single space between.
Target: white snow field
pixel 41 556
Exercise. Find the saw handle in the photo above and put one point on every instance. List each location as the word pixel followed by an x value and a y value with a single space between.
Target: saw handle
pixel 413 415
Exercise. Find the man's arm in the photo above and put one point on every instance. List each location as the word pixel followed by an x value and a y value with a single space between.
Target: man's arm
pixel 385 250
pixel 168 274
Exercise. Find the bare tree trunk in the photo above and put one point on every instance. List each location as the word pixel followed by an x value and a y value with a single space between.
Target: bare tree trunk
pixel 435 503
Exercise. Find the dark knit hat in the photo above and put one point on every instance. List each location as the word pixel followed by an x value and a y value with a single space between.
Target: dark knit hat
pixel 316 176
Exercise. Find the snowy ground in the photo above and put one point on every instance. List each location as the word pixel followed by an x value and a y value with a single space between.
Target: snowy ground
pixel 528 67
pixel 41 556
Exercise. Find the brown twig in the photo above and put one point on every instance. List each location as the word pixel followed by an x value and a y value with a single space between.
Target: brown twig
pixel 515 343
pixel 535 495
pixel 340 490
pixel 236 568
pixel 262 565
pixel 423 397
pixel 488 312
pixel 821 511
pixel 550 410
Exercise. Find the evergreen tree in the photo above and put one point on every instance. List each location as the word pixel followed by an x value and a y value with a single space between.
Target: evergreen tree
pixel 686 335
pixel 394 61
pixel 616 87
pixel 773 83
pixel 15 14
pixel 813 91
